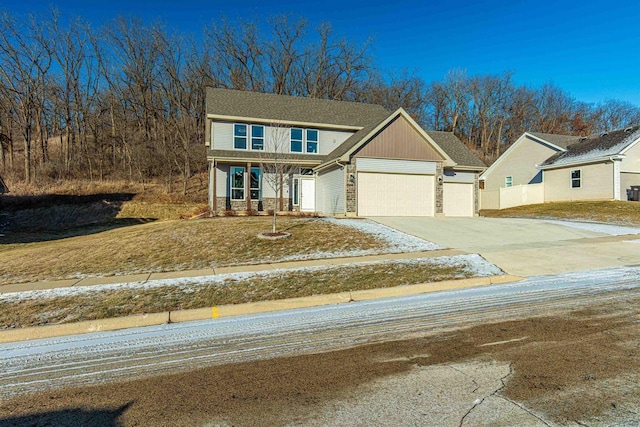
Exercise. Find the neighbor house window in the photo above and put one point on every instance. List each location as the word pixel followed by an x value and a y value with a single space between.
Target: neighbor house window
pixel 312 141
pixel 576 178
pixel 296 140
pixel 237 183
pixel 240 136
pixel 256 184
pixel 508 181
pixel 257 137
pixel 296 191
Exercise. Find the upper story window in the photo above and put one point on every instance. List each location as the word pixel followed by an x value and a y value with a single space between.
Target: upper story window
pixel 257 137
pixel 312 141
pixel 296 140
pixel 304 140
pixel 248 137
pixel 576 178
pixel 508 181
pixel 240 136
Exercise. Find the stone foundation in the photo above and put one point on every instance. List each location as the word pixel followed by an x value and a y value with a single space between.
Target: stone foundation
pixel 226 204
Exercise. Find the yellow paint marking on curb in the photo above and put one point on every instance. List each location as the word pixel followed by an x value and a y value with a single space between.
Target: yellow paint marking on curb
pixel 214 312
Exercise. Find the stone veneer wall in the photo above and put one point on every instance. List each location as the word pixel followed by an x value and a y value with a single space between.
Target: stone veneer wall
pixel 351 196
pixel 439 208
pixel 476 193
pixel 226 204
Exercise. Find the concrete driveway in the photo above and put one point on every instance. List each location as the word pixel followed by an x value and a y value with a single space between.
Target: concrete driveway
pixel 526 247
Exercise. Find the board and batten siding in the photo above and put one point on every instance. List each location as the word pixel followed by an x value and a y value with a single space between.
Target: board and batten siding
pixel 365 164
pixel 399 140
pixel 596 183
pixel 222 134
pixel 330 192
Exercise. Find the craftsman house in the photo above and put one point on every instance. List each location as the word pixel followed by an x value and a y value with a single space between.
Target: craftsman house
pixel 541 168
pixel 344 159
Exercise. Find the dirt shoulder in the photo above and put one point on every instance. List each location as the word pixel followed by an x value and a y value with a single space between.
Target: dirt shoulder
pixel 567 367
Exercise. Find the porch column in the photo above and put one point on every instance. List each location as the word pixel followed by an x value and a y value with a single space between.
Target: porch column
pixel 213 183
pixel 281 194
pixel 247 186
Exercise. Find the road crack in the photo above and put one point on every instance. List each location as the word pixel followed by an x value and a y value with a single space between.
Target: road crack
pixel 479 402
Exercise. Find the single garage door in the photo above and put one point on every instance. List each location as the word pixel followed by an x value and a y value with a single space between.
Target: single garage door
pixel 383 194
pixel 458 199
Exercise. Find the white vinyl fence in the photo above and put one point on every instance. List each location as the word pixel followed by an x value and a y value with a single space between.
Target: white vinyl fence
pixel 518 195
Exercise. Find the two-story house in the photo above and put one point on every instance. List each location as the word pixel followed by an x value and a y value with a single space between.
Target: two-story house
pixel 345 158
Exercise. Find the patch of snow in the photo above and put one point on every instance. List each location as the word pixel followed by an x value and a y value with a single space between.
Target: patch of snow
pixel 569 157
pixel 473 264
pixel 612 230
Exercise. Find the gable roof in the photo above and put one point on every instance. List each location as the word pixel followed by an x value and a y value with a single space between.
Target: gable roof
pixel 365 119
pixel 561 141
pixel 363 136
pixel 557 143
pixel 270 107
pixel 456 149
pixel 595 147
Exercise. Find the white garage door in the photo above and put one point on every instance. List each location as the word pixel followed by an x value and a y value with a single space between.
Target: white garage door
pixel 381 194
pixel 458 199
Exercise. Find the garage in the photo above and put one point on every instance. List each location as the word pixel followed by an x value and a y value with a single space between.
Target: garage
pixel 387 194
pixel 458 199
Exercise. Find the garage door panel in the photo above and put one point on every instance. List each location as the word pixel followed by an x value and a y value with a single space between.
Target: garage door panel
pixel 381 194
pixel 458 199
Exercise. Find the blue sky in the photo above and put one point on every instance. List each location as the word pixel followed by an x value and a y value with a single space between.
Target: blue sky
pixel 589 48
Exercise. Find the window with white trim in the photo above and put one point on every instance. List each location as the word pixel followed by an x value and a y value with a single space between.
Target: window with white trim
pixel 576 178
pixel 312 141
pixel 237 183
pixel 508 181
pixel 257 137
pixel 296 140
pixel 256 184
pixel 240 136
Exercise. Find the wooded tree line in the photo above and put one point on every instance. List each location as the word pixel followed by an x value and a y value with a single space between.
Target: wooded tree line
pixel 126 100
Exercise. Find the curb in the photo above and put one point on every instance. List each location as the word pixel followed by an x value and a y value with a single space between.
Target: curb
pixel 154 319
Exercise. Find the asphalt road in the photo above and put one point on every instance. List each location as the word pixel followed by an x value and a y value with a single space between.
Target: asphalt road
pixel 102 357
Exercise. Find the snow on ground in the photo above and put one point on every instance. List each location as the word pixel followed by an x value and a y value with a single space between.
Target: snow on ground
pixel 473 265
pixel 396 241
pixel 612 230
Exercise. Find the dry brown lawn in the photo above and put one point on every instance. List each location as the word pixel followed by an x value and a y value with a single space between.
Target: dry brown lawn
pixel 288 284
pixel 174 245
pixel 621 213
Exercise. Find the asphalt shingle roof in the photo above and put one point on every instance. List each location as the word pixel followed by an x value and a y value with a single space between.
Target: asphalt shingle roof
pixel 236 103
pixel 595 147
pixel 455 149
pixel 229 102
pixel 562 141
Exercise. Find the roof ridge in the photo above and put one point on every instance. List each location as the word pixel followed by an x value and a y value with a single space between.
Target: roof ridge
pixel 308 98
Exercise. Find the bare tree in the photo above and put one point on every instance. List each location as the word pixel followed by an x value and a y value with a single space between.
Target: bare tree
pixel 276 165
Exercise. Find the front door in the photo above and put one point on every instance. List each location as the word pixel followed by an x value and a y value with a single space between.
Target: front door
pixel 307 194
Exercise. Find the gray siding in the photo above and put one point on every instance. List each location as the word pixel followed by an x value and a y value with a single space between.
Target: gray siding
pixel 330 189
pixel 222 136
pixel 222 133
pixel 222 180
pixel 462 177
pixel 395 166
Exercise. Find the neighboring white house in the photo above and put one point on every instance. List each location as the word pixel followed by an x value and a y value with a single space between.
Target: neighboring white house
pixel 347 158
pixel 541 168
